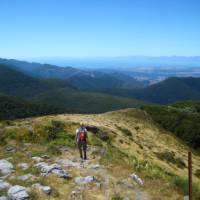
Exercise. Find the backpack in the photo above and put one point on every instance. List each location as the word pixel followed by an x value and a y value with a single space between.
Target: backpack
pixel 82 135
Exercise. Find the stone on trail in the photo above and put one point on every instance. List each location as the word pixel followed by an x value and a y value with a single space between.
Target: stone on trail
pixel 24 177
pixel 95 167
pixel 3 198
pixel 45 189
pixel 11 149
pixel 6 167
pixel 37 159
pixel 4 185
pixel 126 198
pixel 141 196
pixel 137 179
pixel 45 156
pixel 52 169
pixel 17 192
pixel 84 180
pixel 23 166
pixel 126 184
pixel 75 194
pixel 67 163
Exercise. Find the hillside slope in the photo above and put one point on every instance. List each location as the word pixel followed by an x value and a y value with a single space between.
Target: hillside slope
pixel 81 79
pixel 13 82
pixel 167 91
pixel 59 93
pixel 15 108
pixel 86 102
pixel 123 142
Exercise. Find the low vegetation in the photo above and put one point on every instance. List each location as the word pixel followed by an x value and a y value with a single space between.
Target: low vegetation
pixel 170 157
pixel 180 119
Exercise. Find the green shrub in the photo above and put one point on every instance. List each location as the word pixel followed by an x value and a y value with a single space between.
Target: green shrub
pixel 33 195
pixel 3 141
pixel 3 193
pixel 96 141
pixel 121 141
pixel 182 184
pixel 197 173
pixel 53 150
pixel 117 198
pixel 171 158
pixel 54 129
pixel 125 131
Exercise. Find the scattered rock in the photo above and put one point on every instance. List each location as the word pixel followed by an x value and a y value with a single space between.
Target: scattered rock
pixel 23 177
pixel 6 167
pixel 89 179
pixel 52 169
pixel 99 185
pixel 141 196
pixel 11 149
pixel 4 185
pixel 137 179
pixel 126 198
pixel 125 184
pixel 45 156
pixel 75 194
pixel 17 192
pixel 46 189
pixel 37 159
pixel 23 166
pixel 95 167
pixel 67 163
pixel 3 198
pixel 84 180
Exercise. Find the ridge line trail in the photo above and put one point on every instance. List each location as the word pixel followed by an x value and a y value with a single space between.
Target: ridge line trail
pixel 111 185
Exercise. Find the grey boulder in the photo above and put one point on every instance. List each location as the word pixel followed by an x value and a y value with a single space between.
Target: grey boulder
pixel 4 185
pixel 37 159
pixel 6 167
pixel 23 166
pixel 52 169
pixel 84 180
pixel 17 192
pixel 3 198
pixel 137 179
pixel 67 163
pixel 45 189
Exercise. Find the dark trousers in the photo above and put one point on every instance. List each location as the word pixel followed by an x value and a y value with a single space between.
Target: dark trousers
pixel 82 146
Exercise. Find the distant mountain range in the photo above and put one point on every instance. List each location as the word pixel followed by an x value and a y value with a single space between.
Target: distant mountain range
pixel 57 93
pixel 75 90
pixel 127 62
pixel 82 79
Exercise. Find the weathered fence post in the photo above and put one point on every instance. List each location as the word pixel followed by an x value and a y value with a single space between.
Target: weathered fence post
pixel 190 175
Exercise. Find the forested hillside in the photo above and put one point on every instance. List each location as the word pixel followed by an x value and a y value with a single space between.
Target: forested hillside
pixel 167 91
pixel 182 119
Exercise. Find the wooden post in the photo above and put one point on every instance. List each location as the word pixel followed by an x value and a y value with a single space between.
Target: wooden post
pixel 190 175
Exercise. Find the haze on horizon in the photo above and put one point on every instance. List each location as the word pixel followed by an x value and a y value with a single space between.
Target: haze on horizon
pixel 50 29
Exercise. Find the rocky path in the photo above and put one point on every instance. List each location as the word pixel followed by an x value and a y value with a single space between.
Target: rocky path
pixel 72 178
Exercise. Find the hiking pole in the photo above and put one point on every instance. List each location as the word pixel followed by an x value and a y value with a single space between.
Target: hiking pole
pixel 190 174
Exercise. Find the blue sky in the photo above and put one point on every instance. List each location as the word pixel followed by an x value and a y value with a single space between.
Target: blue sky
pixel 95 28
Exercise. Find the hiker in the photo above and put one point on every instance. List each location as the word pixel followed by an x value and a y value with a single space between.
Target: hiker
pixel 81 140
